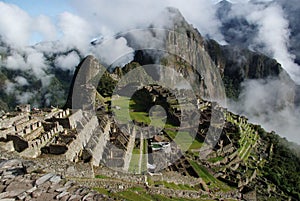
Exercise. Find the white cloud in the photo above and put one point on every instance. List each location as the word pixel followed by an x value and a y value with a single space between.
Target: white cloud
pixel 14 25
pixel 15 62
pixel 36 62
pixel 109 17
pixel 27 60
pixel 76 32
pixel 273 36
pixel 9 87
pixel 21 80
pixel 68 62
pixel 44 26
pixel 24 97
pixel 269 103
pixel 114 52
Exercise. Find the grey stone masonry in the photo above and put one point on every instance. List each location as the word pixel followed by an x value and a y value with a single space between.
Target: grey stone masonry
pixel 97 142
pixel 83 137
pixel 16 184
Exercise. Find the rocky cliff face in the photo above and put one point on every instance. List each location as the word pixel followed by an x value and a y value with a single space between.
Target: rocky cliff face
pixel 82 92
pixel 181 47
pixel 209 66
pixel 238 65
pixel 191 58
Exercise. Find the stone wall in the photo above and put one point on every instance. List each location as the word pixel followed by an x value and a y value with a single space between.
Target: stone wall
pixel 66 120
pixel 19 143
pixel 19 183
pixel 34 147
pixel 62 114
pixel 97 142
pixel 6 122
pixel 130 146
pixel 84 134
pixel 105 171
pixel 4 133
pixel 7 146
pixel 174 177
pixel 177 193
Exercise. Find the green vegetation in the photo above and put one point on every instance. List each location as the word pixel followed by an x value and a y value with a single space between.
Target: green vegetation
pixel 172 185
pixel 106 85
pixel 196 144
pixel 134 162
pixel 171 130
pixel 283 167
pixel 140 194
pixel 232 87
pixel 186 142
pixel 280 164
pixel 208 178
pixel 126 113
pixel 248 137
pixel 216 159
pixel 145 156
pixel 183 139
pixel 101 177
pixel 130 110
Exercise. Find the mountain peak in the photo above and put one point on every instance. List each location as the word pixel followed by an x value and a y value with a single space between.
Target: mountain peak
pixel 84 83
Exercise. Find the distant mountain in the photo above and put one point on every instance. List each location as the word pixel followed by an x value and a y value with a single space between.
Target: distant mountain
pixel 23 83
pixel 239 31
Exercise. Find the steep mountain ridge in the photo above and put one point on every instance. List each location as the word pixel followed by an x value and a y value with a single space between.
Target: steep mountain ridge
pixel 240 65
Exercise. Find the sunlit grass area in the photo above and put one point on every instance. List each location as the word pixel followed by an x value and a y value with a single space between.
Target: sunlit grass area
pixel 134 162
pixel 208 178
pixel 140 194
pixel 123 110
pixel 182 138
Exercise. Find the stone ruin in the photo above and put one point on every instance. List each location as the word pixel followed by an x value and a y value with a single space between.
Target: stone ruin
pixel 75 135
pixel 29 132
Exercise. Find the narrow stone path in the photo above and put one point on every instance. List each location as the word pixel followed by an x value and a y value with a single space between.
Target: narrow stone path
pixel 141 153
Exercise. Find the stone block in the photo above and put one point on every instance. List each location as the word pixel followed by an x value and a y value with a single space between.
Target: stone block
pixel 44 178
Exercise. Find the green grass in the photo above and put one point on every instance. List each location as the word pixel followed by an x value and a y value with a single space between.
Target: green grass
pixel 170 185
pixel 248 138
pixel 136 151
pixel 126 113
pixel 101 190
pixel 202 172
pixel 140 194
pixel 170 130
pixel 218 158
pixel 101 177
pixel 134 196
pixel 182 138
pixel 134 162
pixel 122 115
pixel 208 178
pixel 196 145
pixel 139 117
pixel 144 158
